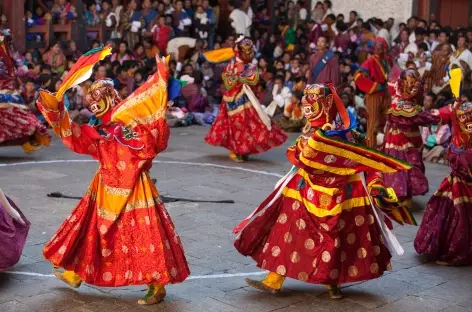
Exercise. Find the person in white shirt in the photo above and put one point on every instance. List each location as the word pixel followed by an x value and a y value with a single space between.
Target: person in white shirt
pixel 381 31
pixel 302 12
pixel 240 21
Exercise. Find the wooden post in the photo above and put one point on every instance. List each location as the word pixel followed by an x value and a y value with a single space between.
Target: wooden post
pixel 15 13
pixel 81 27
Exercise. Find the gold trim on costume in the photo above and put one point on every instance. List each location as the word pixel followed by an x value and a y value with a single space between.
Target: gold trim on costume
pixel 327 190
pixel 239 109
pixel 320 212
pixel 117 191
pixel 325 148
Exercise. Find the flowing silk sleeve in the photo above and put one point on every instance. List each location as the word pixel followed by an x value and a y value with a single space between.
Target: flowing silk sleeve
pixel 77 138
pixel 426 118
pixel 143 115
pixel 344 158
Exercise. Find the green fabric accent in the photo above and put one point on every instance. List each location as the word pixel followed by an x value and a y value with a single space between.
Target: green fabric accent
pixel 94 50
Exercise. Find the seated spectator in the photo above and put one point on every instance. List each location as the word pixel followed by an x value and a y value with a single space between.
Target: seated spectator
pixel 122 54
pixel 72 51
pixel 435 137
pixel 292 119
pixel 55 59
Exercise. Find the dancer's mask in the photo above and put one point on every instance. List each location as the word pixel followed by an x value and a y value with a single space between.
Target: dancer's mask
pixel 409 83
pixel 244 49
pixel 101 97
pixel 464 116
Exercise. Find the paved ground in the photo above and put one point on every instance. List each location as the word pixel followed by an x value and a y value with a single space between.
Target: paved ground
pixel 206 233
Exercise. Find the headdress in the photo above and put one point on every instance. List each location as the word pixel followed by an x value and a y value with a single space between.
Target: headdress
pixel 461 113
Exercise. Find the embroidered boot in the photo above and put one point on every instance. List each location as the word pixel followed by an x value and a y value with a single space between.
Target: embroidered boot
pixel 156 294
pixel 272 283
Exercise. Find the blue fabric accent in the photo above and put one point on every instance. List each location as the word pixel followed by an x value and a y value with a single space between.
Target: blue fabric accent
pixel 342 133
pixel 321 65
pixel 66 102
pixel 173 89
pixel 243 99
pixel 11 98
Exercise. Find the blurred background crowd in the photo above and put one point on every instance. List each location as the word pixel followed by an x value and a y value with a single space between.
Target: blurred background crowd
pixel 289 43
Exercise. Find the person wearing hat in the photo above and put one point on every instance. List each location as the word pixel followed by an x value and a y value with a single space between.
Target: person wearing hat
pixel 372 79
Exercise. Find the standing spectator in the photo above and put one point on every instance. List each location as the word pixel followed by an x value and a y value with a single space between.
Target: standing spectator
pixel 324 65
pixel 131 24
pixel 161 35
pixel 63 11
pixel 302 12
pixel 181 20
pixel 462 58
pixel 240 21
pixel 342 40
pixel 352 20
pixel 314 31
pixel 201 23
pixel 148 15
pixel 318 13
pixel 366 43
pixel 212 22
pixel 92 17
pixel 372 79
pixel 381 31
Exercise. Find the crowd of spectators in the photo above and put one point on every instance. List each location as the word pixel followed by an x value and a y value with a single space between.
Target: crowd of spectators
pixel 286 44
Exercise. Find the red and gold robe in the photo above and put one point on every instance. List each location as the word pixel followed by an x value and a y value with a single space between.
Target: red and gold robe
pixel 120 232
pixel 323 229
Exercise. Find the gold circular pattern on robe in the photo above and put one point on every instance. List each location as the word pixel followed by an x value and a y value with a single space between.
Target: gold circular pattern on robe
pixel 324 226
pixel 264 262
pixel 103 229
pixel 374 268
pixel 266 246
pixel 310 194
pixel 288 237
pixel 343 256
pixel 275 251
pixel 124 249
pixel 281 270
pixel 315 262
pixel 121 165
pixel 376 250
pixel 107 276
pixel 339 199
pixel 296 205
pixel 282 218
pixel 341 224
pixel 351 238
pixel 173 272
pixel 325 200
pixel 330 159
pixel 106 252
pixel 156 275
pixel 303 277
pixel 361 253
pixel 295 257
pixel 309 152
pixel 62 250
pixel 389 267
pixel 370 219
pixel 325 256
pixel 352 271
pixel 359 220
pixel 337 242
pixel 309 244
pixel 321 237
pixel 129 274
pixel 301 225
pixel 334 274
pixel 76 131
pixel 368 236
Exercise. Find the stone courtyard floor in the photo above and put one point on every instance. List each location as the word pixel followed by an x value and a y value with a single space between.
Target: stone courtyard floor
pixel 190 168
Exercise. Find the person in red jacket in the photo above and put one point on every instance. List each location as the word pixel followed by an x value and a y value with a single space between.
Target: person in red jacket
pixel 372 79
pixel 161 35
